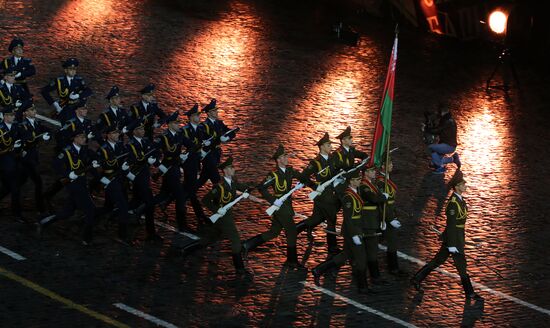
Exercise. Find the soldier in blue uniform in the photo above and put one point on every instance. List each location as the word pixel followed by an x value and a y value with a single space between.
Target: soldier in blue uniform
pixel 69 89
pixel 115 114
pixel 193 138
pixel 12 94
pixel 10 149
pixel 170 143
pixel 148 110
pixel 73 163
pixel 215 133
pixel 141 155
pixel 113 169
pixel 23 66
pixel 33 133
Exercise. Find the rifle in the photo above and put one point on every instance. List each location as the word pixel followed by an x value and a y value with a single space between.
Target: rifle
pixel 325 184
pixel 67 180
pixel 228 206
pixel 49 120
pixel 237 129
pixel 274 208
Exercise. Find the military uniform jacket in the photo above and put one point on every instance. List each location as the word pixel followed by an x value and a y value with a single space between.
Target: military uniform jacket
pixel 222 194
pixel 29 132
pixel 108 154
pixel 372 198
pixel 63 89
pixel 8 153
pixel 345 159
pixel 192 140
pixel 280 182
pixel 24 66
pixel 457 214
pixel 354 222
pixel 63 136
pixel 170 144
pixel 315 168
pixel 70 159
pixel 390 190
pixel 147 112
pixel 9 96
pixel 117 117
pixel 137 154
pixel 213 131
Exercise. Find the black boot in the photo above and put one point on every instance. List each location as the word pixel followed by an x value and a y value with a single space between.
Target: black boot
pixel 375 274
pixel 302 226
pixel 361 280
pixel 419 277
pixel 239 264
pixel 251 244
pixel 292 258
pixel 320 269
pixel 332 244
pixel 393 265
pixel 469 289
pixel 190 248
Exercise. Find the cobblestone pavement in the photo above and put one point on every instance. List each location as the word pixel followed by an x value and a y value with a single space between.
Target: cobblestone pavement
pixel 279 76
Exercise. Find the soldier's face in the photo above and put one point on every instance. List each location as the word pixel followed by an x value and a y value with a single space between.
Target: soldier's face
pixel 282 160
pixel 80 139
pixel 115 101
pixel 70 71
pixel 139 132
pixel 147 97
pixel 9 78
pixel 229 171
pixel 390 166
pixel 174 125
pixel 326 147
pixel 461 187
pixel 355 182
pixel 18 51
pixel 195 118
pixel 82 111
pixel 347 142
pixel 8 118
pixel 213 114
pixel 113 136
pixel 370 174
pixel 31 112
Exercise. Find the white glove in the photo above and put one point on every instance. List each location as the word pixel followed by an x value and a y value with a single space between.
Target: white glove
pixel 357 240
pixel 105 181
pixel 73 175
pixel 151 160
pixel 74 96
pixel 278 203
pixel 383 225
pixel 224 139
pixel 23 153
pixel 222 211
pixel 338 181
pixel 18 103
pixel 299 185
pixel 124 130
pixel 163 168
pixel 453 250
pixel 95 164
pixel 1 116
pixel 90 135
pixel 18 75
pixel 203 154
pixel 57 107
pixel 156 125
pixel 17 144
pixel 423 127
pixel 46 137
pixel 207 143
pixel 184 156
pixel 395 223
pixel 125 166
pixel 320 189
pixel 246 195
pixel 386 195
pixel 131 176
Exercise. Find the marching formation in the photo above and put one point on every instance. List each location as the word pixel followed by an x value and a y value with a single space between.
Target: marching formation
pixel 119 155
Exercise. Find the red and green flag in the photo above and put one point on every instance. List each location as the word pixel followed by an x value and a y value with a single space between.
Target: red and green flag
pixel 383 123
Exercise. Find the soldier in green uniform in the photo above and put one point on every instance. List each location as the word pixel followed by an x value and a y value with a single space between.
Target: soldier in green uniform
pixel 372 197
pixel 325 206
pixel 353 229
pixel 453 239
pixel 344 157
pixel 222 194
pixel 281 182
pixel 390 233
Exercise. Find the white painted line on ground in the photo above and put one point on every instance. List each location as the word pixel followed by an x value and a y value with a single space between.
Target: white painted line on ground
pixel 475 284
pixel 144 315
pixel 169 227
pixel 358 305
pixel 12 254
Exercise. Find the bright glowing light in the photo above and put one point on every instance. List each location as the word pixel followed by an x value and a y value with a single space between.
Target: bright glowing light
pixel 497 21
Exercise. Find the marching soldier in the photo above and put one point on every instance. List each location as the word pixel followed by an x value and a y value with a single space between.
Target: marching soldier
pixel 148 110
pixel 355 231
pixel 453 239
pixel 372 198
pixel 23 66
pixel 73 164
pixel 193 138
pixel 281 182
pixel 344 157
pixel 32 134
pixel 170 143
pixel 12 94
pixel 69 89
pixel 115 114
pixel 10 146
pixel 220 195
pixel 142 154
pixel 215 133
pixel 325 206
pixel 390 233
